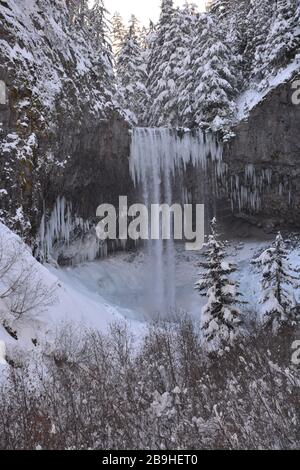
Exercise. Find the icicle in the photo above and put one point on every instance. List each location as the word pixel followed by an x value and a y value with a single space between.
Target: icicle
pixel 166 148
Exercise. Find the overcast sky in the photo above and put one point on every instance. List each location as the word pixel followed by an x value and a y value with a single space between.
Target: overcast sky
pixel 143 9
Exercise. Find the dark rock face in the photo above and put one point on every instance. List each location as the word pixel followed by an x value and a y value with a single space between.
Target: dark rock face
pixel 81 157
pixel 264 160
pixel 97 171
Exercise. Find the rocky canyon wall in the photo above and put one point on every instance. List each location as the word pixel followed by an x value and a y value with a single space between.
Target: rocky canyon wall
pixel 263 160
pixel 64 142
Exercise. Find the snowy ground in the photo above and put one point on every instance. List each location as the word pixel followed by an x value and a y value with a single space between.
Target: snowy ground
pixel 123 281
pixel 99 293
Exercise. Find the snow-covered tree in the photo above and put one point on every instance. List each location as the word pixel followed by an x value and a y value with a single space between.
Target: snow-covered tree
pixel 147 33
pixel 233 18
pixel 99 32
pixel 220 8
pixel 79 12
pixel 162 62
pixel 277 285
pixel 189 25
pixel 118 33
pixel 99 25
pixel 283 39
pixel 132 77
pixel 134 24
pixel 216 72
pixel 237 26
pixel 259 23
pixel 221 318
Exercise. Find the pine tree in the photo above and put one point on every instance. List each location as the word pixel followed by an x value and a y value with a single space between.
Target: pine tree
pixel 99 26
pixel 190 25
pixel 146 34
pixel 162 62
pixel 232 16
pixel 237 25
pixel 134 24
pixel 118 33
pixel 216 72
pixel 282 42
pixel 132 77
pixel 220 316
pixel 79 12
pixel 99 33
pixel 277 299
pixel 259 23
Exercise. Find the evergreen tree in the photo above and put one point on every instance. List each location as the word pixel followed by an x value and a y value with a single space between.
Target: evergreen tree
pixel 220 316
pixel 232 15
pixel 189 24
pixel 220 8
pixel 118 33
pixel 162 62
pixel 99 25
pixel 134 24
pixel 79 12
pixel 132 77
pixel 146 34
pixel 277 299
pixel 283 40
pixel 237 25
pixel 216 70
pixel 99 33
pixel 259 23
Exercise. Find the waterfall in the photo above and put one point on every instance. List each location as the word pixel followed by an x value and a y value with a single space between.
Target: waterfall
pixel 169 148
pixel 158 161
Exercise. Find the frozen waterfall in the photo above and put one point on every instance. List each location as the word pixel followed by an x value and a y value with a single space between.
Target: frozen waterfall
pixel 158 160
pixel 172 149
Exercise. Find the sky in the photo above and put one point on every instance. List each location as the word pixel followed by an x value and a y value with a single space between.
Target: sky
pixel 143 9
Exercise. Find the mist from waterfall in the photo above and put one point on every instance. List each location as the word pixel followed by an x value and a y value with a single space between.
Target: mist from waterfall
pixel 158 160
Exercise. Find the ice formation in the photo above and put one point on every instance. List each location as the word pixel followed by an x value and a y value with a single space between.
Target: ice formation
pixel 61 228
pixel 246 191
pixel 172 149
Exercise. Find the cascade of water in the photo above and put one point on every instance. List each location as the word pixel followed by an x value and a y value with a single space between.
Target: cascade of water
pixel 158 157
pixel 164 146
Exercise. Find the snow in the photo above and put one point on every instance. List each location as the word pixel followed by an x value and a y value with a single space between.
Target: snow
pixel 119 288
pixel 251 97
pixel 2 353
pixel 124 280
pixel 75 304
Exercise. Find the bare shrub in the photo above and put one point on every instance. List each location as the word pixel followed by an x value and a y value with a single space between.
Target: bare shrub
pixel 22 290
pixel 95 391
